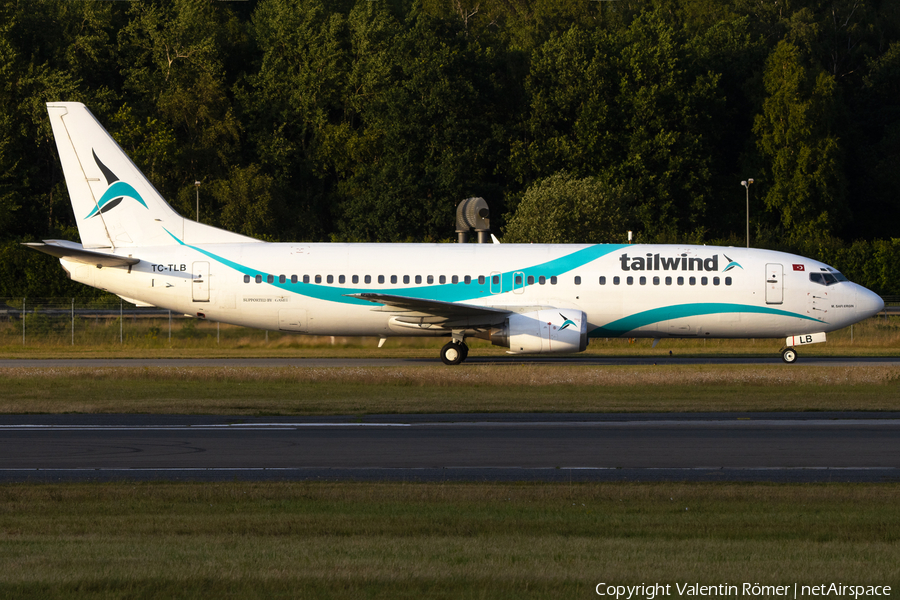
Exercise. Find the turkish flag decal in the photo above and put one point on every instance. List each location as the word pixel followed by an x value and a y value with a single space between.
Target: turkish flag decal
pixel 799 268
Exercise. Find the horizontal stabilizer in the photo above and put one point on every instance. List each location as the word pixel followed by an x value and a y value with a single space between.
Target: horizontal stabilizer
pixel 76 252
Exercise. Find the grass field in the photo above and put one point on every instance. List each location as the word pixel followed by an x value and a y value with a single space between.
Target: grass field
pixel 353 540
pixel 438 389
pixel 323 540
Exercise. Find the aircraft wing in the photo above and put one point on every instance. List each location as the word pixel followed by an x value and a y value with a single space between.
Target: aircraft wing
pixel 76 252
pixel 435 311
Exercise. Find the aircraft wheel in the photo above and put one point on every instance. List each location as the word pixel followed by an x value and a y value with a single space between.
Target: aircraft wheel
pixel 789 355
pixel 453 353
pixel 465 351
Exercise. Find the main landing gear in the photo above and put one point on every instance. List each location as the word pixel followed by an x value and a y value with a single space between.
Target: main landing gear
pixel 454 352
pixel 789 355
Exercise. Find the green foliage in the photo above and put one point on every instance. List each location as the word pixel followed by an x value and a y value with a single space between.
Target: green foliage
pixel 428 136
pixel 797 132
pixel 564 210
pixel 633 103
pixel 370 120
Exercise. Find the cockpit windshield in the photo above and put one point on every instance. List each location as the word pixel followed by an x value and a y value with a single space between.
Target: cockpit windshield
pixel 827 277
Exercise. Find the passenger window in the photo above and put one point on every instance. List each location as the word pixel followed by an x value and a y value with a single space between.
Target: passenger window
pixel 282 279
pixel 629 280
pixel 405 279
pixel 668 281
pixel 454 280
pixel 293 279
pixel 329 279
pixel 306 279
pixel 603 280
pixel 643 281
pixel 728 281
pixel 259 279
pixel 518 280
pixel 430 279
pixel 715 281
pixel 368 279
pixel 531 280
pixel 270 279
pixel 355 279
pixel 341 279
pixel 681 281
pixel 616 280
pixel 656 280
pixel 704 280
pixel 692 281
pixel 467 280
pixel 553 280
pixel 442 279
pixel 246 279
pixel 495 279
pixel 542 280
pixel 318 279
pixel 481 280
pixel 577 280
pixel 418 279
pixel 381 279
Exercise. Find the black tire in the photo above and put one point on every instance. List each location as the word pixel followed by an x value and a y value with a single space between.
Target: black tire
pixel 465 351
pixel 789 355
pixel 453 353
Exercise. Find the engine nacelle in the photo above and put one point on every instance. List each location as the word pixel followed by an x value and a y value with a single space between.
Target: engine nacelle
pixel 543 331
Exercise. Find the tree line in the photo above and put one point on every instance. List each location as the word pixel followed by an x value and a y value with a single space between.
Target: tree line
pixel 369 120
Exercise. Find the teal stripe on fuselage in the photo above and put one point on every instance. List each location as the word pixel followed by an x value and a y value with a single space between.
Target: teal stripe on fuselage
pixel 624 325
pixel 461 292
pixel 448 292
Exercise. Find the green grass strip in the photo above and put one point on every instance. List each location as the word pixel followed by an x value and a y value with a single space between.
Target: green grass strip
pixel 430 389
pixel 342 540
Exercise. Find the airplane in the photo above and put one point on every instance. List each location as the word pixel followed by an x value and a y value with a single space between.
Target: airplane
pixel 529 298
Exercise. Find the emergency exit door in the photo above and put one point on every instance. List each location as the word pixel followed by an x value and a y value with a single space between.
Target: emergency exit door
pixel 774 283
pixel 200 283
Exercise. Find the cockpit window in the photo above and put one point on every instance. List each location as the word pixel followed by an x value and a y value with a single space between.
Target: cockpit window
pixel 837 275
pixel 825 278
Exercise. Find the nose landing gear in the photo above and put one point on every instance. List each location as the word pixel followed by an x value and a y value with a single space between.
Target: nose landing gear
pixel 789 355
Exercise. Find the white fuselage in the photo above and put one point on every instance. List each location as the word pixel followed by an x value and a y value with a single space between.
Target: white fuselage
pixel 624 290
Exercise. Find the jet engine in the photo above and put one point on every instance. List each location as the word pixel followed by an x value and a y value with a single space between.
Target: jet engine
pixel 543 331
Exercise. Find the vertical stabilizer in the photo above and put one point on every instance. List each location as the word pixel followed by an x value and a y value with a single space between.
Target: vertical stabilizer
pixel 115 205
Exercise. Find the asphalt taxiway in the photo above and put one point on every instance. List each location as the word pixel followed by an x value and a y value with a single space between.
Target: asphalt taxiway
pixel 847 446
pixel 500 360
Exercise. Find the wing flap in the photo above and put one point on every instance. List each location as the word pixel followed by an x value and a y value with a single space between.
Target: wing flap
pixel 421 310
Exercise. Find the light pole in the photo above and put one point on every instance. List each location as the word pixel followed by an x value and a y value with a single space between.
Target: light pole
pixel 746 184
pixel 197 185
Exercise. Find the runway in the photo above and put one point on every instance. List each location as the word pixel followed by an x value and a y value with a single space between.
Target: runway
pixel 476 447
pixel 775 361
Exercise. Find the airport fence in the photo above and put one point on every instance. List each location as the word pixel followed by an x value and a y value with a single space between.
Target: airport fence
pixel 35 322
pixel 72 321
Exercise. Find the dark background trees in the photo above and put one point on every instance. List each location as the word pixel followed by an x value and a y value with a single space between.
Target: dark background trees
pixel 368 120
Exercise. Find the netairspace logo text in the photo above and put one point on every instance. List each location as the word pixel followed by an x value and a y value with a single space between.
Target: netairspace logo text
pixel 751 590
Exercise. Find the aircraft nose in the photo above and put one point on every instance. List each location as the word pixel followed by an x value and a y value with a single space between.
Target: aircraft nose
pixel 868 303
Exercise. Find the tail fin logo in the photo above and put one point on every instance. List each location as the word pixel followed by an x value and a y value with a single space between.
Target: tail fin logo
pixel 114 194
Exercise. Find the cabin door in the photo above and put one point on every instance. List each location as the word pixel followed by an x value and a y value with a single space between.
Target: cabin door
pixel 200 283
pixel 774 283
